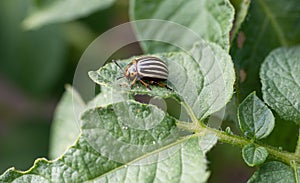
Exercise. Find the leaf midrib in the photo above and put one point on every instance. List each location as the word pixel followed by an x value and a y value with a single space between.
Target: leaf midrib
pixel 283 41
pixel 146 155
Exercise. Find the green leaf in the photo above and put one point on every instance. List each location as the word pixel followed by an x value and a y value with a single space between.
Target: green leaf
pixel 207 141
pixel 181 159
pixel 273 172
pixel 280 77
pixel 187 164
pixel 129 126
pixel 205 81
pixel 63 11
pixel 105 97
pixel 269 24
pixel 255 118
pixel 210 20
pixel 253 155
pixel 66 123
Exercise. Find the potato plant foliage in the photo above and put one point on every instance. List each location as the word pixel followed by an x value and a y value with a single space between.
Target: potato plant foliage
pixel 247 62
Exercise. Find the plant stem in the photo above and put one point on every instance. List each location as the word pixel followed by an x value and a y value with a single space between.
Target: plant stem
pixel 236 140
pixel 200 129
pixel 192 115
pixel 283 156
pixel 295 169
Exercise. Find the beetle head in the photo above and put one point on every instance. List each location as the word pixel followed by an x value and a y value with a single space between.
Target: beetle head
pixel 130 72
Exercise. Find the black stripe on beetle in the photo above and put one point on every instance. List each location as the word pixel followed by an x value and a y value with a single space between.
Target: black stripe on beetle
pixel 152 63
pixel 148 68
pixel 154 75
pixel 155 69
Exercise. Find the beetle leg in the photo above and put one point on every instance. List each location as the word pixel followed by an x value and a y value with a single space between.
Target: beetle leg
pixel 161 84
pixel 158 83
pixel 133 82
pixel 145 84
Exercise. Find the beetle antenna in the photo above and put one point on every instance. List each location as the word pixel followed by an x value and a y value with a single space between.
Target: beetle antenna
pixel 114 61
pixel 120 77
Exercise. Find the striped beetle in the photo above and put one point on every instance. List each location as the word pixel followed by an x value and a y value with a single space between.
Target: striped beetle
pixel 148 68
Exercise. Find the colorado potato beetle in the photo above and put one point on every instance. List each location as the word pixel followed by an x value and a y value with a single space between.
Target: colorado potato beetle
pixel 148 68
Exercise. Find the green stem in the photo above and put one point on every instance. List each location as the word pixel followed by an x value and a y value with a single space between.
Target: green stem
pixel 192 115
pixel 294 166
pixel 200 129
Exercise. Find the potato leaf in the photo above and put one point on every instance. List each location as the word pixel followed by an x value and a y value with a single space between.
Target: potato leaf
pixel 210 20
pixel 280 77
